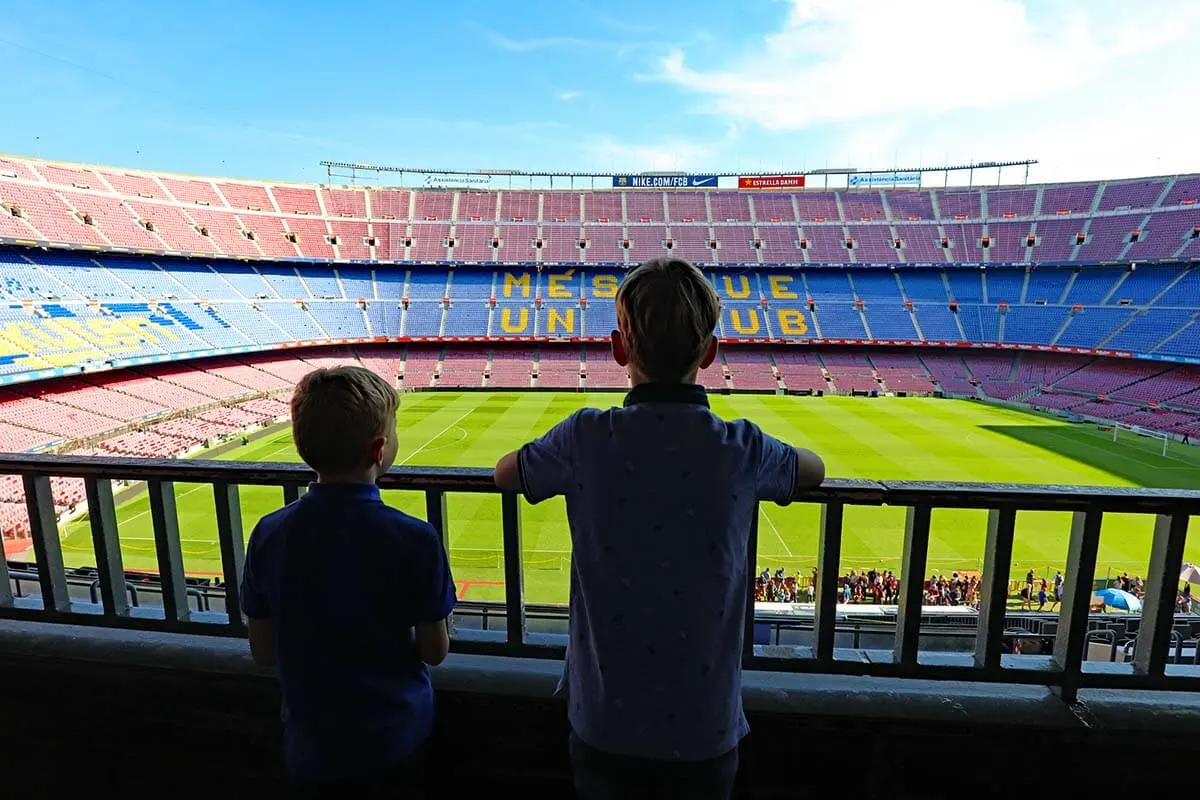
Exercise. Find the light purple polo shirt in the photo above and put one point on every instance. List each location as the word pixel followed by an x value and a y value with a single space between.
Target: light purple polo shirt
pixel 660 495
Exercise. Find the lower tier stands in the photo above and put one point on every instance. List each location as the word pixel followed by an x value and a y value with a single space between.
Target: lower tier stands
pixel 169 410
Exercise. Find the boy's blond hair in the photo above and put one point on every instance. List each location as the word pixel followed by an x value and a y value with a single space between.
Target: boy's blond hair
pixel 337 413
pixel 667 312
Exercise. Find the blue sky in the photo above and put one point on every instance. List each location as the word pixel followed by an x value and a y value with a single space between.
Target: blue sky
pixel 1091 88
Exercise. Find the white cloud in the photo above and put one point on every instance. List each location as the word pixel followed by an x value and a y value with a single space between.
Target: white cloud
pixel 839 60
pixel 669 153
pixel 884 81
pixel 568 95
pixel 537 43
pixel 619 48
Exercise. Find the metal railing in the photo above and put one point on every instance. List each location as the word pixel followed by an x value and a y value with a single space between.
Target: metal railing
pixel 1064 669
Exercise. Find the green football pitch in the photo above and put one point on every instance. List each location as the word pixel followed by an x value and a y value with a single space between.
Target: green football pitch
pixel 882 438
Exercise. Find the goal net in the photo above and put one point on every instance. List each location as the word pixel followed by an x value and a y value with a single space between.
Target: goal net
pixel 1121 431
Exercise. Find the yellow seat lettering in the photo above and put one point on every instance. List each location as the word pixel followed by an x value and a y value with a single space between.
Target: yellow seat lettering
pixel 748 328
pixel 512 281
pixel 565 319
pixel 508 326
pixel 791 322
pixel 743 290
pixel 781 287
pixel 558 285
pixel 605 286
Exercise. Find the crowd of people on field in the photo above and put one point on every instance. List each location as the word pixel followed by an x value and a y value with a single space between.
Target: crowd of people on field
pixel 872 586
pixel 1184 602
pixel 1040 591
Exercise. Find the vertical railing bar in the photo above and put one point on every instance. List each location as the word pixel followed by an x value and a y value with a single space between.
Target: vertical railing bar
pixel 1082 549
pixel 106 544
pixel 912 587
pixel 514 579
pixel 993 597
pixel 230 535
pixel 291 493
pixel 752 576
pixel 47 548
pixel 6 582
pixel 829 557
pixel 435 513
pixel 168 548
pixel 1162 587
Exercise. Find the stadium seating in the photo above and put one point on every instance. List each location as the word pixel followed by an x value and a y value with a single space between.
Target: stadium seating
pixel 1145 310
pixel 558 367
pixel 463 367
pixel 1069 268
pixel 602 371
pixel 419 366
pixel 751 369
pixel 800 371
pixel 511 368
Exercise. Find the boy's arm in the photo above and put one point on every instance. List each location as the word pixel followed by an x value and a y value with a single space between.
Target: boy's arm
pixel 262 641
pixel 260 624
pixel 782 469
pixel 434 602
pixel 810 469
pixel 542 468
pixel 433 642
pixel 508 473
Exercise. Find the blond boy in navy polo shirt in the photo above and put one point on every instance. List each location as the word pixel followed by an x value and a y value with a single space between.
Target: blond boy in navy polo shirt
pixel 659 487
pixel 350 647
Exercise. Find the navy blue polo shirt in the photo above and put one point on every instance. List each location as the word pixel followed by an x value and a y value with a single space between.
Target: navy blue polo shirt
pixel 345 578
pixel 660 495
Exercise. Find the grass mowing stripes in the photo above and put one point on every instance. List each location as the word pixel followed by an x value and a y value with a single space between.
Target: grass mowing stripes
pixel 882 438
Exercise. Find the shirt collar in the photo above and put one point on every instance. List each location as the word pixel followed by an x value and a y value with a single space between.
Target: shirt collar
pixel 689 393
pixel 343 491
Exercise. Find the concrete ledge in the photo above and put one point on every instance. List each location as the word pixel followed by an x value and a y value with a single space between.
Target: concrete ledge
pixel 764 693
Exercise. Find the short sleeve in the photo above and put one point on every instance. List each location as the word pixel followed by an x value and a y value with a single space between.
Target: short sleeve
pixel 546 464
pixel 254 602
pixel 435 595
pixel 775 475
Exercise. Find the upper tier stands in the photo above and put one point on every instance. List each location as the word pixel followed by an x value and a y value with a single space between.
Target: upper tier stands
pixel 72 204
pixel 66 312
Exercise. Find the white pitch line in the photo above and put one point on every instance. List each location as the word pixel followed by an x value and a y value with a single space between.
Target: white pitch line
pixel 434 438
pixel 776 530
pixel 147 511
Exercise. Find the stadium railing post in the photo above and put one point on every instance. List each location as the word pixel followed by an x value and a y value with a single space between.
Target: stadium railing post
pixel 1162 587
pixel 233 548
pixel 993 599
pixel 106 544
pixel 292 492
pixel 436 515
pixel 47 548
pixel 514 576
pixel 6 584
pixel 168 549
pixel 1082 549
pixel 912 584
pixel 829 556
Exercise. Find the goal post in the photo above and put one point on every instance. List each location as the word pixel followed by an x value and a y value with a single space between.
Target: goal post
pixel 1120 429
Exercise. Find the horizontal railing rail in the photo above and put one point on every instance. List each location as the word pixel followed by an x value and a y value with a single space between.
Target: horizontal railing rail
pixel 1064 669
